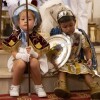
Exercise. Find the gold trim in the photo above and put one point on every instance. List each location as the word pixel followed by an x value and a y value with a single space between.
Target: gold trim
pixel 77 68
pixel 10 49
pixel 43 51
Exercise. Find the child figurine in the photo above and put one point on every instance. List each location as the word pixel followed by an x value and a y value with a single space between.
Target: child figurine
pixel 17 62
pixel 74 65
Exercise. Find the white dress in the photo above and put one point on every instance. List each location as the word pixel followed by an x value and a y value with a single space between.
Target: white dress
pixel 42 60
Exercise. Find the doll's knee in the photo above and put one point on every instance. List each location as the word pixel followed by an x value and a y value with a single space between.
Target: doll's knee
pixel 34 63
pixel 19 64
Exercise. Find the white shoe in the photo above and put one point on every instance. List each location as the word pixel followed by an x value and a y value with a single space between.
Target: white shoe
pixel 14 90
pixel 40 91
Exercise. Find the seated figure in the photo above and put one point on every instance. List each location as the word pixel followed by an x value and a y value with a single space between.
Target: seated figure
pixel 76 64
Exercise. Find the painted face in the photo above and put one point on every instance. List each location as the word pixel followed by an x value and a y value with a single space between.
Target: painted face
pixel 23 20
pixel 68 27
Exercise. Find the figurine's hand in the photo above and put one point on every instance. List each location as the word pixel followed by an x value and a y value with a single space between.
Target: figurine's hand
pixel 28 49
pixel 24 57
pixel 32 53
pixel 89 63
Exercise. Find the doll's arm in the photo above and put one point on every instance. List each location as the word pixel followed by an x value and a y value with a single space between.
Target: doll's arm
pixel 88 56
pixel 32 53
pixel 87 52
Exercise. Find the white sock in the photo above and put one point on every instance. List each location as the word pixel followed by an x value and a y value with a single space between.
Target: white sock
pixel 15 86
pixel 38 86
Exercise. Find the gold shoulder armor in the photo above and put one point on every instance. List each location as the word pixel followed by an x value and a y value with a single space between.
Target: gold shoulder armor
pixel 39 43
pixel 12 42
